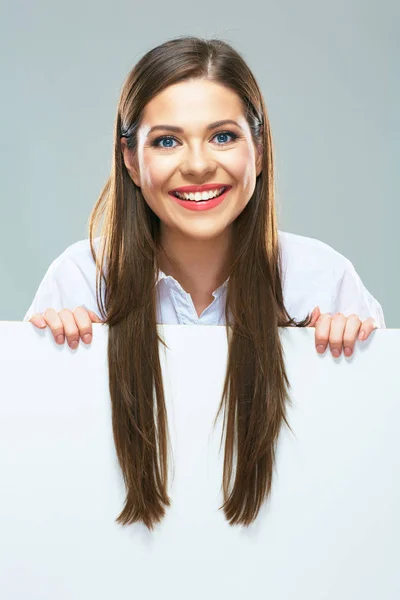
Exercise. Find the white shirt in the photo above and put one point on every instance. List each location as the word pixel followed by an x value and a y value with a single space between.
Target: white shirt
pixel 313 274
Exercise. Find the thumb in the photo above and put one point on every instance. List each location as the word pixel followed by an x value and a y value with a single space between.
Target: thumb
pixel 316 313
pixel 94 318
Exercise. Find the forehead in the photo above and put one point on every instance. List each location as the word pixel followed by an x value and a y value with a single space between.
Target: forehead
pixel 190 102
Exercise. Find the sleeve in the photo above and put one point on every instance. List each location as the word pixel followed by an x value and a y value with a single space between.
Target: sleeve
pixel 70 281
pixel 352 297
pixel 48 295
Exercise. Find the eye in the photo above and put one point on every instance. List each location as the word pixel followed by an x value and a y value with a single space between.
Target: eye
pixel 169 139
pixel 226 133
pixel 163 138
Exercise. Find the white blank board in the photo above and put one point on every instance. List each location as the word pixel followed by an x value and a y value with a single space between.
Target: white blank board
pixel 330 529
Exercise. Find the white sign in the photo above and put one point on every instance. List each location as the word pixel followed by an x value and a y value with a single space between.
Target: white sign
pixel 330 530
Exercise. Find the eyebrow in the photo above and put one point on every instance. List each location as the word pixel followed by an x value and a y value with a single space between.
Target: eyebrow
pixel 176 129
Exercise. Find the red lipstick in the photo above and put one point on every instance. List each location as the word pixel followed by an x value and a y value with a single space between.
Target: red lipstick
pixel 201 204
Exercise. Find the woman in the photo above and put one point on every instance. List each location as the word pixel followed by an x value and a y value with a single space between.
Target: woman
pixel 191 114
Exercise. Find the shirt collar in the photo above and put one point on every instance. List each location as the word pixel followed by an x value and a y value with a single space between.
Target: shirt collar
pixel 169 278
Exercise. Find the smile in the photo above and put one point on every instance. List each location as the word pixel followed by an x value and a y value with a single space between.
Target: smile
pixel 201 201
pixel 200 196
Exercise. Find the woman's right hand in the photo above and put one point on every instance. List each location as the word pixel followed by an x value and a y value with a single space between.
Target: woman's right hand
pixel 72 325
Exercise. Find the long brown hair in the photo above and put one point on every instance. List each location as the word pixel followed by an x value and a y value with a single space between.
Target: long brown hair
pixel 256 385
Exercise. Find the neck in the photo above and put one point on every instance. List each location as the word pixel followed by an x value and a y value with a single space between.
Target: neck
pixel 200 266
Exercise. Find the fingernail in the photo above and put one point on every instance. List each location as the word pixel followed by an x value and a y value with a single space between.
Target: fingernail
pixel 74 344
pixel 42 322
pixel 60 339
pixel 335 353
pixel 361 336
pixel 348 351
pixel 321 349
pixel 87 338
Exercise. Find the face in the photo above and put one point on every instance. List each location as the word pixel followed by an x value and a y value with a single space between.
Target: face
pixel 195 155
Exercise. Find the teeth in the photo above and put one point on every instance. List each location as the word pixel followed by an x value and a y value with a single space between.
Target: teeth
pixel 199 196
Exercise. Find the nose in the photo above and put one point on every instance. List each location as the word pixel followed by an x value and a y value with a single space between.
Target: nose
pixel 198 163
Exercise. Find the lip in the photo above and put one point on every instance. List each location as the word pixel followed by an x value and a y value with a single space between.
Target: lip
pixel 200 206
pixel 192 189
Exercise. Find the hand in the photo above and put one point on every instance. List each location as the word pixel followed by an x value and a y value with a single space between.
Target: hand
pixel 73 325
pixel 338 330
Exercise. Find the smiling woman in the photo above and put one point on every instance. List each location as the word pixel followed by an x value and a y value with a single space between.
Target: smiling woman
pixel 198 148
pixel 188 234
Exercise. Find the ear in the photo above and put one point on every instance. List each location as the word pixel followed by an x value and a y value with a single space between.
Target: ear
pixel 130 162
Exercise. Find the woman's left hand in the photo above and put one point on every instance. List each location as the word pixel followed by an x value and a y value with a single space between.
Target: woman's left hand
pixel 339 331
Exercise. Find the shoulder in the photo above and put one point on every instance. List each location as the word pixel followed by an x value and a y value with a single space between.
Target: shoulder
pixel 310 255
pixel 77 255
pixel 74 273
pixel 69 281
pixel 315 274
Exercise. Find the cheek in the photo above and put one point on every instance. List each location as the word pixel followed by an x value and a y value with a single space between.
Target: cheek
pixel 241 165
pixel 153 177
pixel 155 172
pixel 245 171
pixel 249 177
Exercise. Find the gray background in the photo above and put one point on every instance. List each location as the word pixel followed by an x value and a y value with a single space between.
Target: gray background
pixel 328 75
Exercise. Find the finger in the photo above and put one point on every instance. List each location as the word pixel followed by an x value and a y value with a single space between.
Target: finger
pixel 38 321
pixel 338 325
pixel 84 323
pixel 350 334
pixel 56 325
pixel 322 329
pixel 70 328
pixel 367 327
pixel 94 318
pixel 316 313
